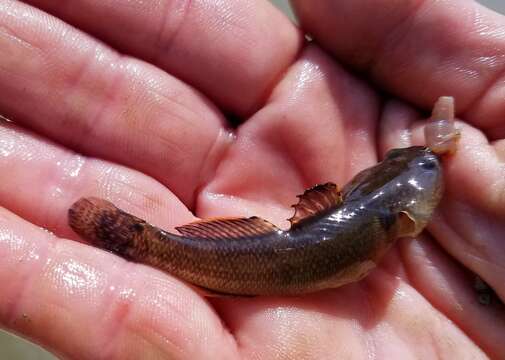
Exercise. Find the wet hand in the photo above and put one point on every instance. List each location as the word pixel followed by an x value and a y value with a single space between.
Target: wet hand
pixel 130 101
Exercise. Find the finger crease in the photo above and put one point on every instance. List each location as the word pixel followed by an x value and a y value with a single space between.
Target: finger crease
pixel 68 182
pixel 164 41
pixel 119 309
pixel 90 127
pixel 398 32
pixel 215 156
pixel 26 280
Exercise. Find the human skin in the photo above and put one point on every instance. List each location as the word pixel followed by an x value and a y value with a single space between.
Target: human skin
pixel 131 107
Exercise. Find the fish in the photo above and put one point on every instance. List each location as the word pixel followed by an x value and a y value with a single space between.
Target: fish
pixel 337 236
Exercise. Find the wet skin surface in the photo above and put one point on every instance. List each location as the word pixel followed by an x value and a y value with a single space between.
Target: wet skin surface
pixel 124 119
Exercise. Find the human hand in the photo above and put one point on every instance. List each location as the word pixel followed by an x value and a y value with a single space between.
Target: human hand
pixel 159 148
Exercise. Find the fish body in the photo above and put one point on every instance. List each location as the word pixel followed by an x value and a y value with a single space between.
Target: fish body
pixel 336 237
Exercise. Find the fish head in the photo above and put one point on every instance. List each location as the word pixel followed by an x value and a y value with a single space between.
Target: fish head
pixel 407 184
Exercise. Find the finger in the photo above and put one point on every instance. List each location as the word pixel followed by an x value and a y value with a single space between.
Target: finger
pixel 226 49
pixel 379 315
pixel 469 222
pixel 419 50
pixel 40 180
pixel 78 92
pixel 308 133
pixel 449 289
pixel 82 302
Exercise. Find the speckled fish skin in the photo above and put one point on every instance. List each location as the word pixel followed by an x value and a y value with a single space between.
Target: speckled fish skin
pixel 341 244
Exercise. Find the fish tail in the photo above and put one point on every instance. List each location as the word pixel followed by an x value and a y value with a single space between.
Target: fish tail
pixel 104 225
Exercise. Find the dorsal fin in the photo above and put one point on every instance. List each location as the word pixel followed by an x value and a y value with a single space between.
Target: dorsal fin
pixel 227 228
pixel 315 200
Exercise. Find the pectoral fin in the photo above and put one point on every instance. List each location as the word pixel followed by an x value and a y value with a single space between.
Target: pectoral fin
pixel 406 225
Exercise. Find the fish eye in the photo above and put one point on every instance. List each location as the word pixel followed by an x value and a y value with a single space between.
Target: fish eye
pixel 428 164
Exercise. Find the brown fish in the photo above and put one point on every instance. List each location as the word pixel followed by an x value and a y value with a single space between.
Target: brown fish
pixel 335 237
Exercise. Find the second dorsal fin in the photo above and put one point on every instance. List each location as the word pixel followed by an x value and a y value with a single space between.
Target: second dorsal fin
pixel 314 200
pixel 227 228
